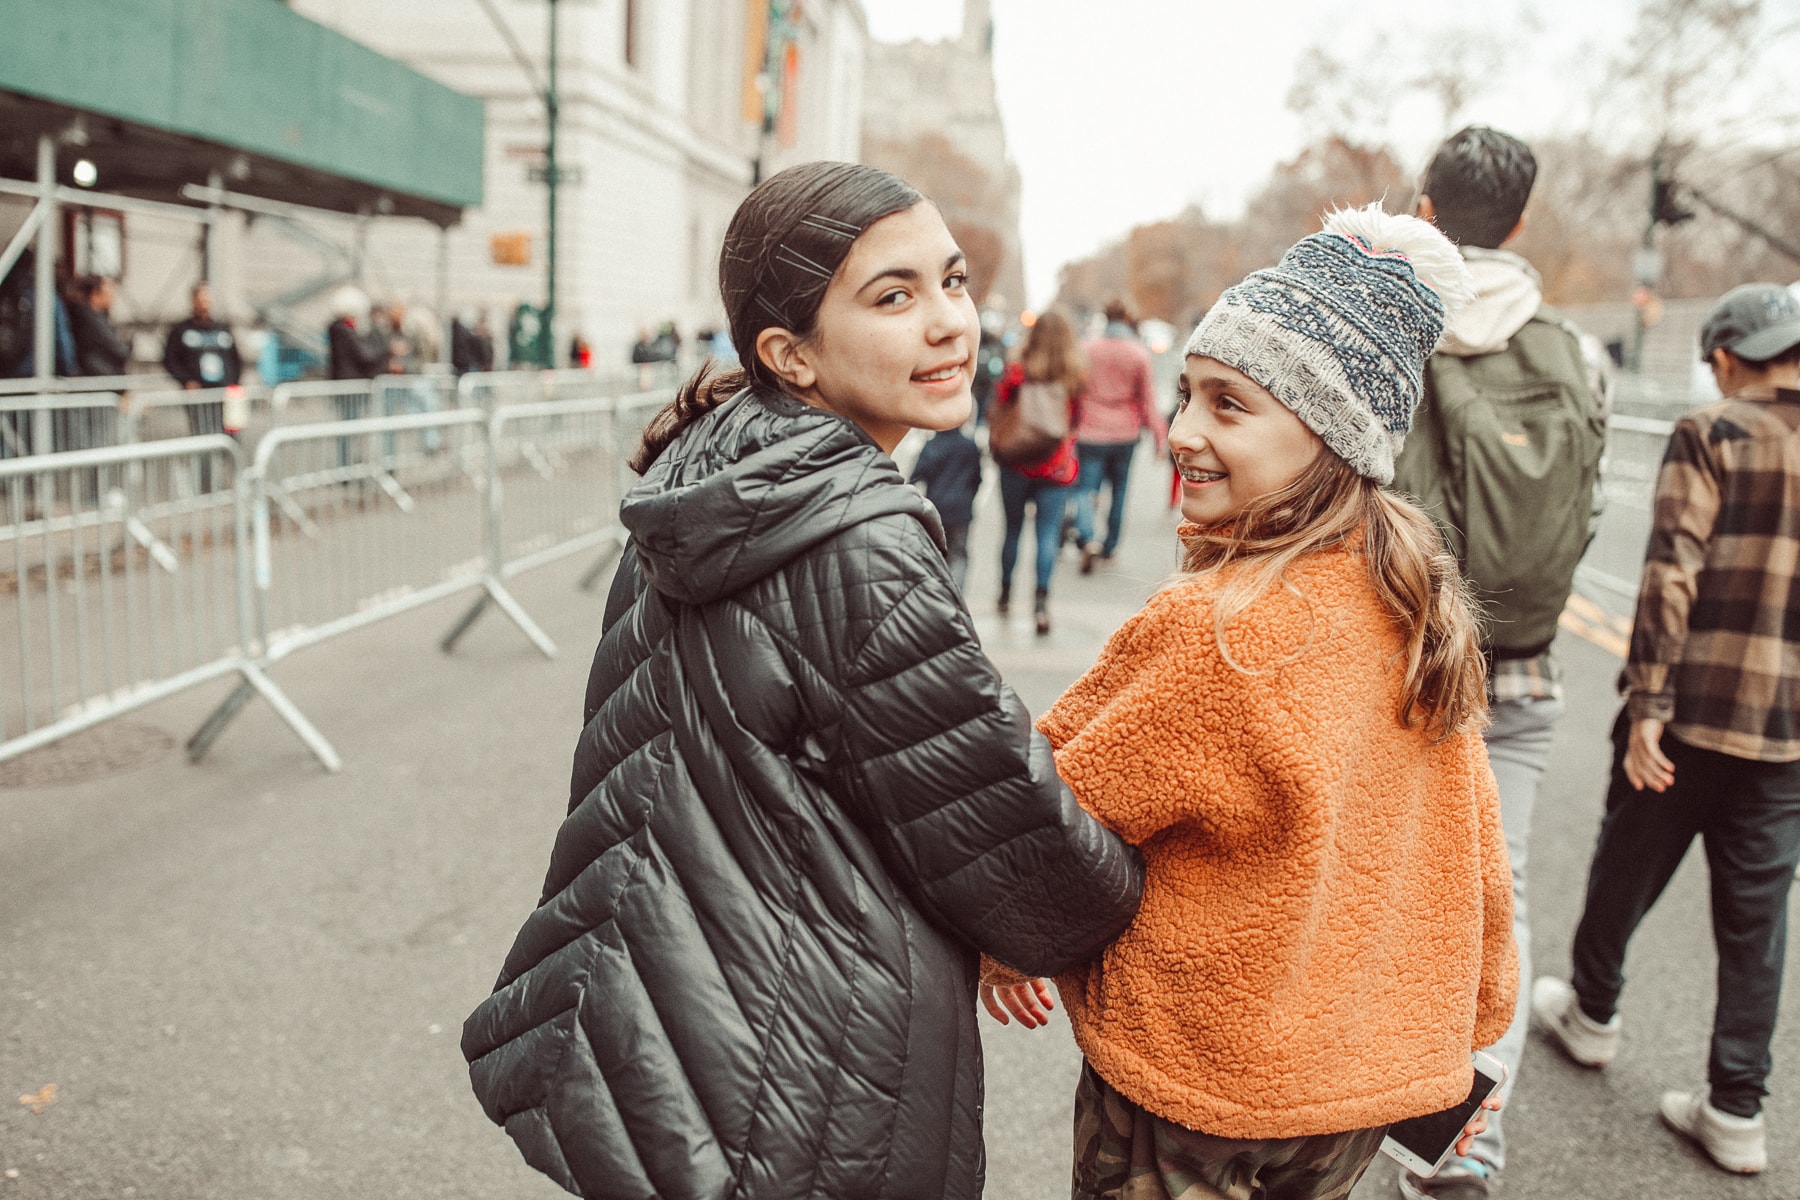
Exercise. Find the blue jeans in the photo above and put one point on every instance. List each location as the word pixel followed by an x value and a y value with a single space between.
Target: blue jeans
pixel 1048 498
pixel 1100 463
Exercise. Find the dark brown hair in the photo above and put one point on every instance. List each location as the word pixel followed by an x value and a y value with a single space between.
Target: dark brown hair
pixel 784 245
pixel 1479 181
pixel 1053 354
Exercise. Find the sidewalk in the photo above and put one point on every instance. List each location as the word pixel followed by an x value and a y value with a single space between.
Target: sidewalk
pixel 247 978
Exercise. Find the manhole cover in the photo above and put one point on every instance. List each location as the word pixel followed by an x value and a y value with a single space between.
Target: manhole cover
pixel 103 750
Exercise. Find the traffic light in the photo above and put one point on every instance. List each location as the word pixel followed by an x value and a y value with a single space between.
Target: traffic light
pixel 1666 207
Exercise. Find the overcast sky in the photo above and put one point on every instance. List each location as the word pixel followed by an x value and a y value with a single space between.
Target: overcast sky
pixel 1124 111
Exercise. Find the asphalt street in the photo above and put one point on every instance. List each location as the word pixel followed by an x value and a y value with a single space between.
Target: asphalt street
pixel 245 979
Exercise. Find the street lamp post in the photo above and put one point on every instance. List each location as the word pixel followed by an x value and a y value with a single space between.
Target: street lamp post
pixel 553 177
pixel 546 92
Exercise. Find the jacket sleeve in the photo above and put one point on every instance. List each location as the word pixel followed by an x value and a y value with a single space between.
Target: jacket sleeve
pixel 938 762
pixel 234 364
pixel 1681 533
pixel 1498 992
pixel 174 359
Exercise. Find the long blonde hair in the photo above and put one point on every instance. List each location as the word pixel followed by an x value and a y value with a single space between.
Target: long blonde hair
pixel 1327 506
pixel 1053 354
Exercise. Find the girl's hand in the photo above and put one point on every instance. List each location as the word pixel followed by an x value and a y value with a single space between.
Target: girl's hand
pixel 1477 1124
pixel 1030 1002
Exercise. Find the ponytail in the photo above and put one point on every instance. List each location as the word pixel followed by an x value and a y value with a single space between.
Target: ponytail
pixel 706 390
pixel 1444 690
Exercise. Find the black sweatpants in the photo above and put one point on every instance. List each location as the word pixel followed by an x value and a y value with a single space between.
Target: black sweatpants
pixel 1747 815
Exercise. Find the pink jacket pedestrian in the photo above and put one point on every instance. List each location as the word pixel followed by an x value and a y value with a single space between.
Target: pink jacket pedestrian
pixel 1119 404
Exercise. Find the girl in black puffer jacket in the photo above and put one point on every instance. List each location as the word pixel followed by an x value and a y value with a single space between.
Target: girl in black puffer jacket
pixel 802 800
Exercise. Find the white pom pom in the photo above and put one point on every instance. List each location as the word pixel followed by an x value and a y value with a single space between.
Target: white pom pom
pixel 1434 258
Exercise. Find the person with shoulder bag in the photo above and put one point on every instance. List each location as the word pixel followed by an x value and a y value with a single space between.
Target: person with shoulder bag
pixel 1029 434
pixel 803 802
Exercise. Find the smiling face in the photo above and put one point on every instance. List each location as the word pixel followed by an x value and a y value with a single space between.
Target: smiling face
pixel 1233 442
pixel 893 347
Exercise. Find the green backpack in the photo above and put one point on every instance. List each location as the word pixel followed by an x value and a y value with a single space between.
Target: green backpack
pixel 1504 454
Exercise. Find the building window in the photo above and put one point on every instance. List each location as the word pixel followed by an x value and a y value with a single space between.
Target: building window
pixel 632 29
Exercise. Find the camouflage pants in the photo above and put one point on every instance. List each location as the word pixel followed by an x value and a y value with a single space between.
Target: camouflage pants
pixel 1125 1153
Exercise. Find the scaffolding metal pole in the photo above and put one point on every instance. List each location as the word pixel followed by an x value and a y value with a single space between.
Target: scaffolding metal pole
pixel 43 329
pixel 443 294
pixel 43 305
pixel 209 235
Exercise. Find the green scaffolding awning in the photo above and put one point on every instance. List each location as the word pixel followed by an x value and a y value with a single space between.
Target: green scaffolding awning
pixel 169 91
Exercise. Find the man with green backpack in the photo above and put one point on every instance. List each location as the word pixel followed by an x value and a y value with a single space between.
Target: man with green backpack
pixel 1505 454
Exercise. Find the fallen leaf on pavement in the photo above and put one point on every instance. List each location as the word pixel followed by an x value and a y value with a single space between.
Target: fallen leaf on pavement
pixel 45 1097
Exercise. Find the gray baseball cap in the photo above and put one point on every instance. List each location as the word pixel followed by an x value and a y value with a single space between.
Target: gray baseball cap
pixel 1756 321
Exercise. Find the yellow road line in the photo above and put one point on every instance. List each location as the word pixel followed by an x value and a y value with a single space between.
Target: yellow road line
pixel 1589 622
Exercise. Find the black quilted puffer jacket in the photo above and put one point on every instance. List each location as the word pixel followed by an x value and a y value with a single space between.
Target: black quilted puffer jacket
pixel 802 801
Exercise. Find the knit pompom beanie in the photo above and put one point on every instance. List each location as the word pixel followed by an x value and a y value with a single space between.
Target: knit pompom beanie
pixel 1340 329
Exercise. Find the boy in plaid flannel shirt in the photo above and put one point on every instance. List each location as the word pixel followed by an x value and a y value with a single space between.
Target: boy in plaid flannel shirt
pixel 1708 742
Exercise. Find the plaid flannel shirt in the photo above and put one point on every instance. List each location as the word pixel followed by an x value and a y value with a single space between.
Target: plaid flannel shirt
pixel 1538 678
pixel 1715 647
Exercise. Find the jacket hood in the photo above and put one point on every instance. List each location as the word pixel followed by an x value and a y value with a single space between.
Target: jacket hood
pixel 1508 293
pixel 751 486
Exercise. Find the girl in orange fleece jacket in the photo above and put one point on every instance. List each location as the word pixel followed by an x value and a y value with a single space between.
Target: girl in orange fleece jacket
pixel 1291 733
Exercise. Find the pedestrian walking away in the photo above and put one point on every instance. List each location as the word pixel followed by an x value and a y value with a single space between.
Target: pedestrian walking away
pixel 1708 742
pixel 1316 810
pixel 1119 406
pixel 1036 407
pixel 1505 455
pixel 802 801
pixel 949 469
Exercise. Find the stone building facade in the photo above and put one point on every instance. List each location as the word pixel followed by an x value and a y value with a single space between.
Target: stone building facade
pixel 654 124
pixel 931 116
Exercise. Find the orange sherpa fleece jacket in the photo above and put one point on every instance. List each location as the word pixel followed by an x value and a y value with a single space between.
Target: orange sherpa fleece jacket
pixel 1326 929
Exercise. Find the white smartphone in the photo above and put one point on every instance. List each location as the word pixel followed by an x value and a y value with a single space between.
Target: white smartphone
pixel 1421 1144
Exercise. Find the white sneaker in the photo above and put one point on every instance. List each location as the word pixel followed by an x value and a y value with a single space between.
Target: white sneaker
pixel 1734 1143
pixel 1579 1036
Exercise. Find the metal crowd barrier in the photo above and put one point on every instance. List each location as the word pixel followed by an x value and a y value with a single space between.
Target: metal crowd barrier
pixel 310 401
pixel 131 573
pixel 563 474
pixel 1634 451
pixel 483 388
pixel 490 389
pixel 59 385
pixel 108 618
pixel 57 422
pixel 330 556
pixel 151 416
